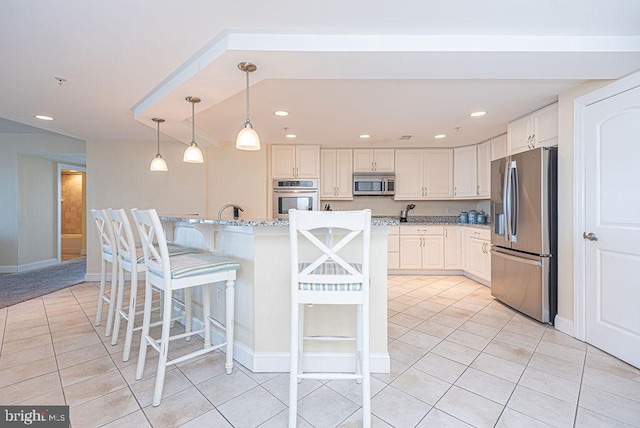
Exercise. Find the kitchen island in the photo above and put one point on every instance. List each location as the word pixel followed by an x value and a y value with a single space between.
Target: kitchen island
pixel 262 294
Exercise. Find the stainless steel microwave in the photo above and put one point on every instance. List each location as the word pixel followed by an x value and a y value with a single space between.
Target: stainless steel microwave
pixel 374 184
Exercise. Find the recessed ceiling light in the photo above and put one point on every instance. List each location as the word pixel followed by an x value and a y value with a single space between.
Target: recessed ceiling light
pixel 281 113
pixel 439 136
pixel 478 113
pixel 365 136
pixel 290 135
pixel 43 117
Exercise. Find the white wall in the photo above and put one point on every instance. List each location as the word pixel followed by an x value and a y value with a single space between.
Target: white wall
pixel 11 146
pixel 566 212
pixel 37 208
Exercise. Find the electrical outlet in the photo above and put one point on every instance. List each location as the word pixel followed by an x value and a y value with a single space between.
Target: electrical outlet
pixel 219 294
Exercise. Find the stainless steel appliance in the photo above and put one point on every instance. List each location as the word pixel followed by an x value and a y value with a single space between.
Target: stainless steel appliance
pixel 298 194
pixel 374 184
pixel 524 233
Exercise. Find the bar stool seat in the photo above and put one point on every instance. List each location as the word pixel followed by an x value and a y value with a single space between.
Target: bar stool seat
pixel 182 272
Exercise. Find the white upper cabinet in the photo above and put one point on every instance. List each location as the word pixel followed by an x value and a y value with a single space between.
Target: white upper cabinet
pixel 484 170
pixel 373 160
pixel 424 174
pixel 295 161
pixel 499 147
pixel 465 167
pixel 337 172
pixel 439 174
pixel 537 129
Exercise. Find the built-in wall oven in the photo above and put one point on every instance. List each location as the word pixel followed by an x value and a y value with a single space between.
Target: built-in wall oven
pixel 298 194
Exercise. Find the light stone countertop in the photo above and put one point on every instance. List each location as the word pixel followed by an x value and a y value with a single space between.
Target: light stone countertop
pixel 385 221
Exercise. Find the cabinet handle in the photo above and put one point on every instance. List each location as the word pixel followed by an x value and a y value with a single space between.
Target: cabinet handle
pixel 455 191
pixel 375 166
pixel 446 232
pixel 477 190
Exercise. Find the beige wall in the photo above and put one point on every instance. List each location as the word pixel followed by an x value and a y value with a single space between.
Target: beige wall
pixel 11 146
pixel 566 212
pixel 37 209
pixel 118 176
pixel 237 177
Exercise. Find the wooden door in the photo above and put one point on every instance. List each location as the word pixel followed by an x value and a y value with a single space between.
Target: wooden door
pixel 409 174
pixel 612 215
pixel 383 160
pixel 465 172
pixel 410 252
pixel 328 166
pixel 363 160
pixel 308 161
pixel 484 170
pixel 283 161
pixel 439 173
pixel 344 173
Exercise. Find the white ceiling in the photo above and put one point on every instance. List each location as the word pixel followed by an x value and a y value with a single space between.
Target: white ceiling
pixel 341 68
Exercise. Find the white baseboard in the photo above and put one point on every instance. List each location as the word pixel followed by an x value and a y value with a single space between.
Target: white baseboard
pixel 477 279
pixel 278 362
pixel 95 277
pixel 28 266
pixel 564 325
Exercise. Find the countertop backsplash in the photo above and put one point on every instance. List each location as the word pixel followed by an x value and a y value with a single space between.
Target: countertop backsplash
pixel 386 206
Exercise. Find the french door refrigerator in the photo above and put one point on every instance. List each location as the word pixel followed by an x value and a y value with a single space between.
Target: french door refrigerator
pixel 524 235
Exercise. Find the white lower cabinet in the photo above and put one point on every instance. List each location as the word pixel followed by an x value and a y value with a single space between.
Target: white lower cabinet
pixel 450 247
pixel 479 254
pixel 421 247
pixel 393 248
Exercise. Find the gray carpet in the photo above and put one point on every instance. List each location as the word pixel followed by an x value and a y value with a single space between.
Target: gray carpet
pixel 18 287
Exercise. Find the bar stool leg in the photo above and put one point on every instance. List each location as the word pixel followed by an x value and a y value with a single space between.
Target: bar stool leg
pixel 293 380
pixel 112 296
pixel 164 351
pixel 187 312
pixel 146 322
pixel 301 315
pixel 103 280
pixel 206 310
pixel 366 370
pixel 229 322
pixel 133 304
pixel 120 293
pixel 358 351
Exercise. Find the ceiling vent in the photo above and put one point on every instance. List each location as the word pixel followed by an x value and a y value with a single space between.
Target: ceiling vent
pixel 405 137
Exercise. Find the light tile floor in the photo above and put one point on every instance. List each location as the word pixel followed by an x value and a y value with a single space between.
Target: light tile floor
pixel 459 359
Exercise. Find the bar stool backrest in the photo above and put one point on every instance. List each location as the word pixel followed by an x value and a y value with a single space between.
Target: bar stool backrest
pixel 108 248
pixel 156 257
pixel 123 235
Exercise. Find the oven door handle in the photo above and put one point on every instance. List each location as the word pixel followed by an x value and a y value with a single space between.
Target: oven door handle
pixel 295 191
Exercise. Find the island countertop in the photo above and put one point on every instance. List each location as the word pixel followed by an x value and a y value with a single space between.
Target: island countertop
pixel 386 221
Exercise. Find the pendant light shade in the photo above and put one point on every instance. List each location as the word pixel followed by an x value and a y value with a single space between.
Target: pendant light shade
pixel 248 138
pixel 158 164
pixel 193 154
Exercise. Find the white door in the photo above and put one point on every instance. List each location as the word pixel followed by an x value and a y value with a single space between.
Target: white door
pixel 328 167
pixel 308 161
pixel 612 215
pixel 465 162
pixel 363 160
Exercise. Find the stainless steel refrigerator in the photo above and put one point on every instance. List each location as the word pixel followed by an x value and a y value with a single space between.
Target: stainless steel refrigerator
pixel 524 233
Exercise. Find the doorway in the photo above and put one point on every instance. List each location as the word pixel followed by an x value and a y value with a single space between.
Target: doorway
pixel 71 212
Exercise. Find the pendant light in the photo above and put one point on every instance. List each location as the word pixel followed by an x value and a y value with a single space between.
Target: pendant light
pixel 193 154
pixel 158 163
pixel 247 137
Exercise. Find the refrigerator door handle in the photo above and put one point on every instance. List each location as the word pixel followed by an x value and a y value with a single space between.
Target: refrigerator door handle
pixel 516 259
pixel 515 201
pixel 506 206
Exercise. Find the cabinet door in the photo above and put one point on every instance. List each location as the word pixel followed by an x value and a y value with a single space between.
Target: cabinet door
pixel 476 256
pixel 344 173
pixel 410 252
pixel 283 161
pixel 485 273
pixel 409 174
pixel 499 147
pixel 466 256
pixel 432 252
pixel 384 160
pixel 362 160
pixel 308 161
pixel 484 170
pixel 438 175
pixel 547 132
pixel 328 166
pixel 452 247
pixel 518 135
pixel 465 173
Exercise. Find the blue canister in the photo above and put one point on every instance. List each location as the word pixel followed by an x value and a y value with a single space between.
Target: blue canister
pixel 464 217
pixel 481 219
pixel 473 217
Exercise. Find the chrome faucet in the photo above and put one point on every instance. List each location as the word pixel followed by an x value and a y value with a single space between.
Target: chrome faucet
pixel 236 209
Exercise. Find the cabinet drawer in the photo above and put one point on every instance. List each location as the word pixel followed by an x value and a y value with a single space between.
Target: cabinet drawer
pixel 479 233
pixel 421 230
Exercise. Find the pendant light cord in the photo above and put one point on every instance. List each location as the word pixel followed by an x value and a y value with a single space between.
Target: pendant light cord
pixel 158 139
pixel 247 121
pixel 193 122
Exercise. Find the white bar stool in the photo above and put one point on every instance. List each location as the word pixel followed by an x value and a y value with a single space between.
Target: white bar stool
pixel 174 273
pixel 109 254
pixel 330 280
pixel 130 259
